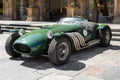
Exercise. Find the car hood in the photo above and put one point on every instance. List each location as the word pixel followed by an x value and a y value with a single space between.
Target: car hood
pixel 62 28
pixel 33 38
pixel 37 37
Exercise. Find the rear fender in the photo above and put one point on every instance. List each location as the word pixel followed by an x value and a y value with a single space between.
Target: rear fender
pixel 103 27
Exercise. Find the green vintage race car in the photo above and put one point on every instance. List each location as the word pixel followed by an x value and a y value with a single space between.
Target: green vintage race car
pixel 59 40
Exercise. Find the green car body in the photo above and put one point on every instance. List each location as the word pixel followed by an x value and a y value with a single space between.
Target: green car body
pixel 37 42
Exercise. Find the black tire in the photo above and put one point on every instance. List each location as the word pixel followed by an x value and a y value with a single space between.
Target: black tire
pixel 9 43
pixel 59 51
pixel 105 37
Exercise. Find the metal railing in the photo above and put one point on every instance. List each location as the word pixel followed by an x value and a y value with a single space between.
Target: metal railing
pixel 8 26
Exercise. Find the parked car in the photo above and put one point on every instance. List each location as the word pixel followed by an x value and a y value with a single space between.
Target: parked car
pixel 59 40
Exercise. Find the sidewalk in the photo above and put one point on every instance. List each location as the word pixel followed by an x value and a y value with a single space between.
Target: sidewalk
pixel 95 63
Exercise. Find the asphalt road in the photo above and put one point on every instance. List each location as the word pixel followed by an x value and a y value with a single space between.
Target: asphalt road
pixel 95 63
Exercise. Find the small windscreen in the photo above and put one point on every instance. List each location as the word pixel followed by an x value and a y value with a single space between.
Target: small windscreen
pixel 71 21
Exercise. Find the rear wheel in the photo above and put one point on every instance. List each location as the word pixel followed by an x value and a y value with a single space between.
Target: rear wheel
pixel 9 43
pixel 105 37
pixel 59 51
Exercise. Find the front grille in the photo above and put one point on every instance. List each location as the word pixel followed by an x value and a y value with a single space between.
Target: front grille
pixel 22 48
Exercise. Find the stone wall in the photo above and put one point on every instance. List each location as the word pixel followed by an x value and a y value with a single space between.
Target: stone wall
pixel 7 9
pixel 74 8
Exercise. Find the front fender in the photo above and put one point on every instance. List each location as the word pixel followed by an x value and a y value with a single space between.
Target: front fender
pixel 36 41
pixel 59 35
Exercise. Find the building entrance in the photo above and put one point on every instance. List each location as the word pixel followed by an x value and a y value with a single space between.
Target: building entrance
pixel 57 9
pixel 106 10
pixel 21 9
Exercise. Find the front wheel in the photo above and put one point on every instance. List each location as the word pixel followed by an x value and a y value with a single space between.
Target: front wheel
pixel 8 46
pixel 105 37
pixel 59 51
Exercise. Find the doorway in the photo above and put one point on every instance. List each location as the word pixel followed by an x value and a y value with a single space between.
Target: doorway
pixel 20 8
pixel 106 10
pixel 57 9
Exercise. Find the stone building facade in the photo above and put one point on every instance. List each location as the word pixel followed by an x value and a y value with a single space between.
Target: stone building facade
pixel 35 10
pixel 117 11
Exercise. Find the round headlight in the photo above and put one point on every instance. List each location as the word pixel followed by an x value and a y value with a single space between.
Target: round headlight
pixel 50 34
pixel 21 32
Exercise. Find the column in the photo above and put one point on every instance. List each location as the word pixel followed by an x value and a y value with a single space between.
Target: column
pixel 116 11
pixel 42 9
pixel 21 8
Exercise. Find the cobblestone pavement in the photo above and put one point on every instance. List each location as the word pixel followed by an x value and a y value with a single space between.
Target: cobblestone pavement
pixel 95 63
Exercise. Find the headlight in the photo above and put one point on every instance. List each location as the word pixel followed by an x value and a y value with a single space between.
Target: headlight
pixel 21 32
pixel 50 34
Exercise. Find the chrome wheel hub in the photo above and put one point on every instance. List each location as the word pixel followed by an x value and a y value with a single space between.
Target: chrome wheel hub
pixel 63 51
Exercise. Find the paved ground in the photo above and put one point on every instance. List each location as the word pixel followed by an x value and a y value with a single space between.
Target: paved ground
pixel 95 63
